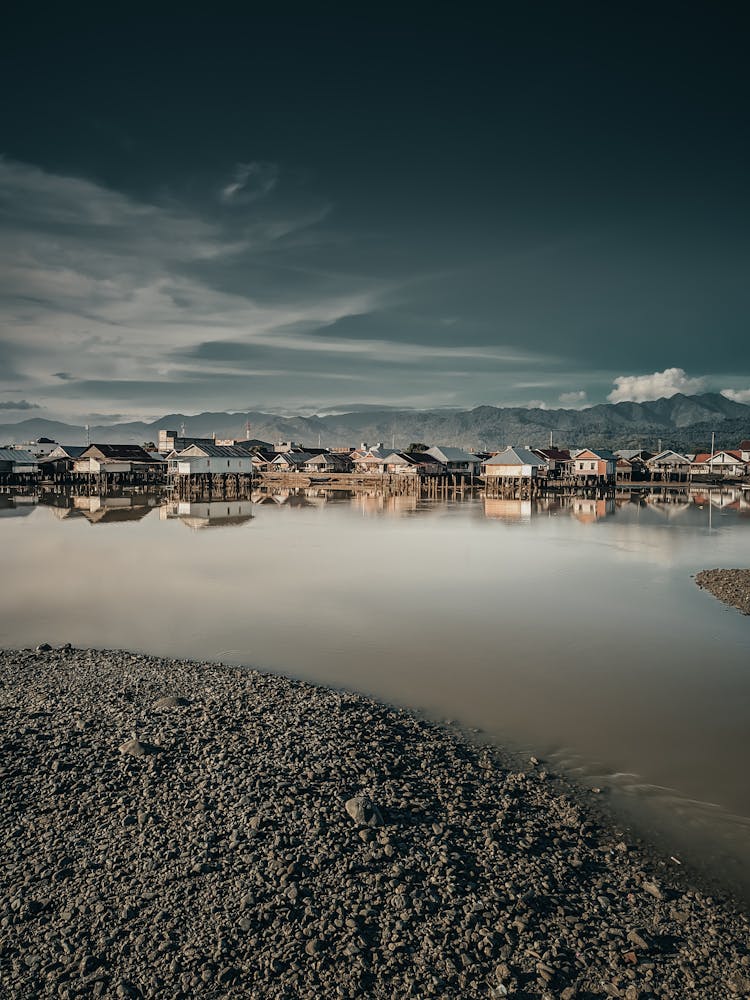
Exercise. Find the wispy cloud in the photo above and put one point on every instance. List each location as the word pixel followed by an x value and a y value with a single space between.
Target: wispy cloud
pixel 251 182
pixel 110 300
pixel 658 385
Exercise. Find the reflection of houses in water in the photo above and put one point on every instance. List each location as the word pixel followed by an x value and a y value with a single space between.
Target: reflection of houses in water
pixel 588 510
pixel 112 509
pixel 208 513
pixel 668 505
pixel 516 511
pixel 729 498
pixel 17 506
pixel 372 505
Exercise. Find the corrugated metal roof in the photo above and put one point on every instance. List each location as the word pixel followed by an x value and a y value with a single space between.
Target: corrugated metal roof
pixel 17 457
pixel 516 456
pixel 450 454
pixel 216 451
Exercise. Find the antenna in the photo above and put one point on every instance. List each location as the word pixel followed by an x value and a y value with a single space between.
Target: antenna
pixel 247 430
pixel 550 439
pixel 88 435
pixel 182 429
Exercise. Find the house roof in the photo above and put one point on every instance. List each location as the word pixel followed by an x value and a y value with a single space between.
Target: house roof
pixel 252 444
pixel 744 446
pixel 119 452
pixel 516 456
pixel 330 458
pixel 663 456
pixel 601 453
pixel 214 451
pixel 17 457
pixel 293 457
pixel 554 454
pixel 68 451
pixel 446 454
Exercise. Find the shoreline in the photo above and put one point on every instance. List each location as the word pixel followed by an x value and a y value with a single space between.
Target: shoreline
pixel 224 858
pixel 730 586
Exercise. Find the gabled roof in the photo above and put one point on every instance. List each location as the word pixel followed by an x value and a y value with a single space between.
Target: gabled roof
pixel 663 456
pixel 293 457
pixel 446 454
pixel 67 451
pixel 252 444
pixel 213 451
pixel 330 458
pixel 402 458
pixel 119 452
pixel 601 453
pixel 516 456
pixel 553 454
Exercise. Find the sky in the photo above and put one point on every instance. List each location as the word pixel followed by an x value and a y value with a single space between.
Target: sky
pixel 315 207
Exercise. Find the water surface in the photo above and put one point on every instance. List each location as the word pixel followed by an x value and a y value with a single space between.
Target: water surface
pixel 572 630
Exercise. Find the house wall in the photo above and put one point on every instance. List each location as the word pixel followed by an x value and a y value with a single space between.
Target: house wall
pixel 511 471
pixel 213 466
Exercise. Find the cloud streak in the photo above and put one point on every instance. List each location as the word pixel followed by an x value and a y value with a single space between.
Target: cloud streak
pixel 251 182
pixel 104 296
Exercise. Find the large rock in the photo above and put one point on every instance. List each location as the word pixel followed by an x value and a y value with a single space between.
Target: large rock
pixel 363 811
pixel 136 748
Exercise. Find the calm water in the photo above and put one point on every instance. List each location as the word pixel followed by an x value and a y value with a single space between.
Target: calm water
pixel 572 632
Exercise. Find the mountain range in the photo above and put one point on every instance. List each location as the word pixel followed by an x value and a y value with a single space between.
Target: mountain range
pixel 680 421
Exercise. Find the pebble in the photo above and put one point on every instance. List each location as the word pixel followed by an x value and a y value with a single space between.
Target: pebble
pixel 246 852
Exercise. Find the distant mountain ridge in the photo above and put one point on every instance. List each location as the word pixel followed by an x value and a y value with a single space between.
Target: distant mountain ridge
pixel 680 421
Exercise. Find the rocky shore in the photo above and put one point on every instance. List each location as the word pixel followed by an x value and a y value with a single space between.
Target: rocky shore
pixel 178 829
pixel 731 586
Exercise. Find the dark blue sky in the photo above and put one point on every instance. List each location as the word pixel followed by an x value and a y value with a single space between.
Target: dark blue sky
pixel 305 208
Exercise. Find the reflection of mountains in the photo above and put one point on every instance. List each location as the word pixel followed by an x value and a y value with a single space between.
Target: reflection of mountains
pixel 208 513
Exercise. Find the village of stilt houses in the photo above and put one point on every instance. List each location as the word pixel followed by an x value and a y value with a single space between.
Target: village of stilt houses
pixel 195 476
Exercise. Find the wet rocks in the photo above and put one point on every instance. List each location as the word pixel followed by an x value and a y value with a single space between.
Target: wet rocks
pixel 254 848
pixel 730 586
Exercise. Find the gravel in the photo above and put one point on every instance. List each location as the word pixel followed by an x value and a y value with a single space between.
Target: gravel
pixel 180 829
pixel 732 586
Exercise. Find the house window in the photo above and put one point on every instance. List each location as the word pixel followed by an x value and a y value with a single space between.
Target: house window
pixel 227 463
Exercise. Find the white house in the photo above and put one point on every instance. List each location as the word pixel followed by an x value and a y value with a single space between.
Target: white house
pixel 727 463
pixel 514 463
pixel 211 459
pixel 669 465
